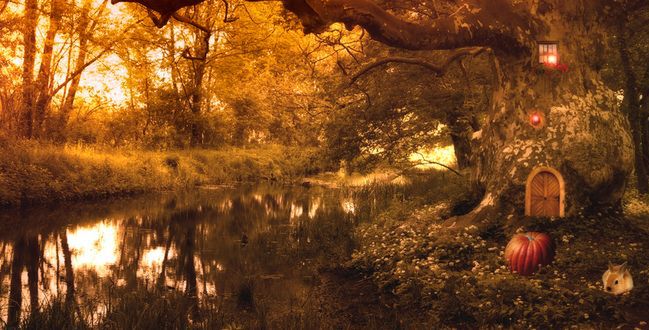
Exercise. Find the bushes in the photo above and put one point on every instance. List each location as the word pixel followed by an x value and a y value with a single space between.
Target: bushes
pixel 33 172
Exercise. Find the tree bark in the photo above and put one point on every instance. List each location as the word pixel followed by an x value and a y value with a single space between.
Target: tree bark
pixel 495 23
pixel 632 107
pixel 461 133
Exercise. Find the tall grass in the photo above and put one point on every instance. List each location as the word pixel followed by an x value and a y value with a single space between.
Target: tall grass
pixel 33 172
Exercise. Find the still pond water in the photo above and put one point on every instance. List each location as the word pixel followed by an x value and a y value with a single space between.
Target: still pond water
pixel 211 244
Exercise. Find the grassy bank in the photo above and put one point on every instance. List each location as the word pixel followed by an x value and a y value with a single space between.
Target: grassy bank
pixel 33 172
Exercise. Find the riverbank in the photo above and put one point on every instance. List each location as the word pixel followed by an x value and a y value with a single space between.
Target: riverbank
pixel 32 172
pixel 436 277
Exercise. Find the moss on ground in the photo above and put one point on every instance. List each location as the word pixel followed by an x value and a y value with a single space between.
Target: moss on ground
pixel 33 172
pixel 458 277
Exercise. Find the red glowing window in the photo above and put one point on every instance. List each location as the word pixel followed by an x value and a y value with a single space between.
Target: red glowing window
pixel 549 52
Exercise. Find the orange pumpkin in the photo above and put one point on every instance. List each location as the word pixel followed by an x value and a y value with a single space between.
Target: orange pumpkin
pixel 527 253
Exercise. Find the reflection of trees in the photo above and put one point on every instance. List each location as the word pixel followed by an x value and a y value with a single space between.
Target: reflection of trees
pixel 69 272
pixel 26 254
pixel 201 242
pixel 15 290
pixel 32 258
pixel 187 255
pixel 163 266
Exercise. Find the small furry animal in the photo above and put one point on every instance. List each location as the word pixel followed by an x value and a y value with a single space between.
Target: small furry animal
pixel 617 279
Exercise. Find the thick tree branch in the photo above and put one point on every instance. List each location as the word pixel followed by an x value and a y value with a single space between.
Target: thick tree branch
pixel 164 7
pixel 435 68
pixel 186 20
pixel 159 22
pixel 497 24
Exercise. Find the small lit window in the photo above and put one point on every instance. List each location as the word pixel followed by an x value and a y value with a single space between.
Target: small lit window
pixel 549 53
pixel 537 119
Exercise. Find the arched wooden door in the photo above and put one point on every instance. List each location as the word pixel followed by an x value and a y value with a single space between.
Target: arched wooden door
pixel 545 195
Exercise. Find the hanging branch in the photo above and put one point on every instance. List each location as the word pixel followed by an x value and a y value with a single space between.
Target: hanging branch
pixel 439 70
pixel 186 20
pixel 425 161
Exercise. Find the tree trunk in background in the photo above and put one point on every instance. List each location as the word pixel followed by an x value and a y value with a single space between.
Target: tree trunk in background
pixel 196 97
pixel 461 132
pixel 84 32
pixel 25 127
pixel 632 109
pixel 16 286
pixel 43 88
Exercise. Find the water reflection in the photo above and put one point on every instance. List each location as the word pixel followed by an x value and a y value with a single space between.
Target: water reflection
pixel 93 247
pixel 190 243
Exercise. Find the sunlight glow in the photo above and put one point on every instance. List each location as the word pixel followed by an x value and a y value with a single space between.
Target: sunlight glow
pixel 296 211
pixel 94 247
pixel 442 155
pixel 151 263
pixel 348 205
pixel 314 206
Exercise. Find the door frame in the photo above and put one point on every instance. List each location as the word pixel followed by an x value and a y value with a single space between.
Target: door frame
pixel 528 189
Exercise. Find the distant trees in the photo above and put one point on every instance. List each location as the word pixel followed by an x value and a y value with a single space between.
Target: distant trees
pixel 210 79
pixel 180 88
pixel 51 68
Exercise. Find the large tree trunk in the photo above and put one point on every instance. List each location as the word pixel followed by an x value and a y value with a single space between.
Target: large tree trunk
pixel 584 135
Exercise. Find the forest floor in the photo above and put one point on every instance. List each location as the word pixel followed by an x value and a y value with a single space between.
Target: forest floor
pixel 429 276
pixel 33 172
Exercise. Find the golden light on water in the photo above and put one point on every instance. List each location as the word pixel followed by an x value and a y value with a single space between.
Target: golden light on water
pixel 314 206
pixel 94 247
pixel 154 257
pixel 151 263
pixel 296 211
pixel 348 205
